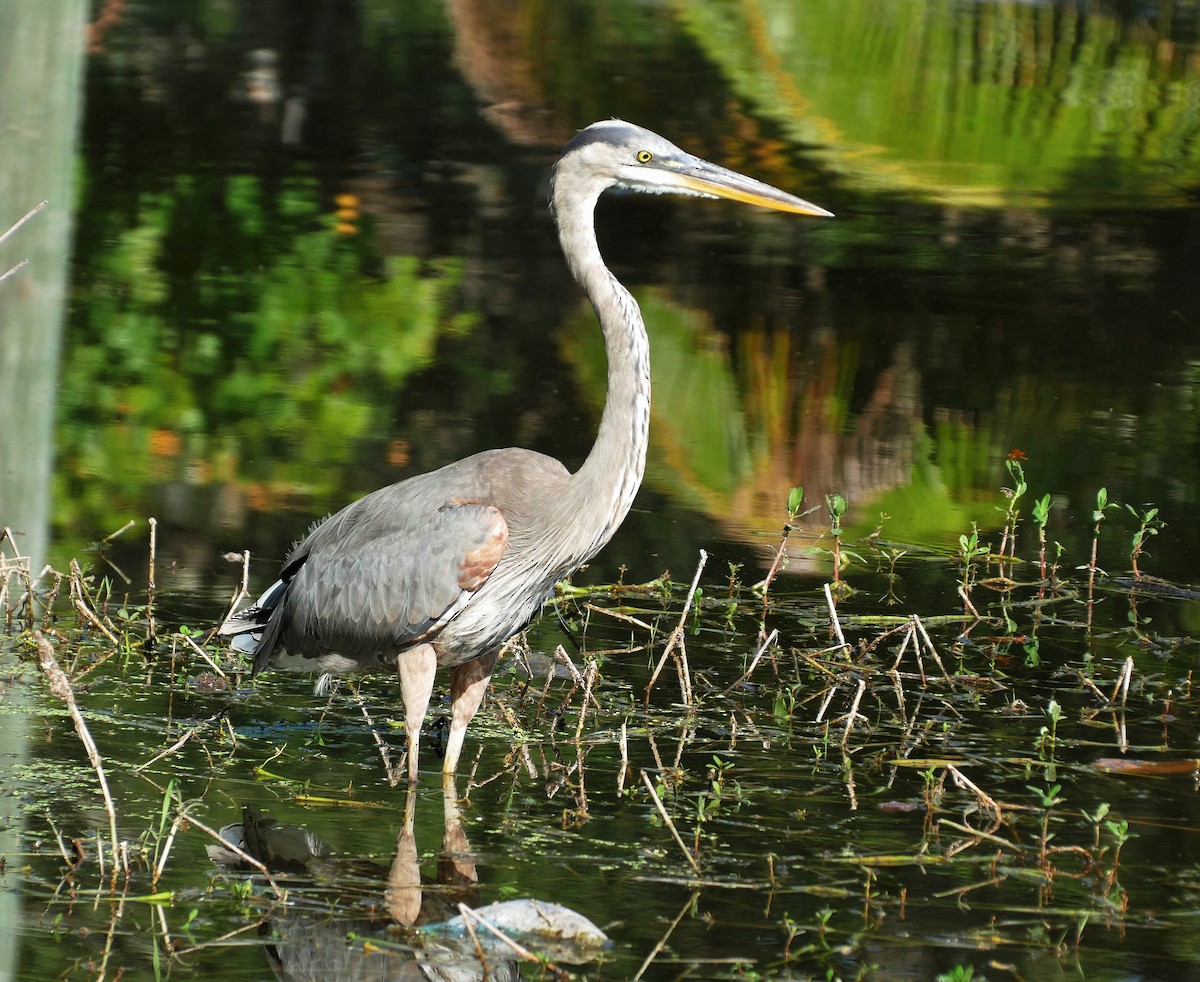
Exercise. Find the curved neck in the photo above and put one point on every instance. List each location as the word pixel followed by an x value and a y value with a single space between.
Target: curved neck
pixel 602 490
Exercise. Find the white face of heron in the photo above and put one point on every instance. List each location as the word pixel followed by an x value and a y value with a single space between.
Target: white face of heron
pixel 623 155
pixel 614 153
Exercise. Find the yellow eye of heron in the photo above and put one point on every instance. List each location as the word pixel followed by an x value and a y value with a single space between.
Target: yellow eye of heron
pixel 644 156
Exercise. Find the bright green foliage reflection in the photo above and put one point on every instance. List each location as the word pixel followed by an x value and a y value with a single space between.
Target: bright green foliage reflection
pixel 983 103
pixel 304 353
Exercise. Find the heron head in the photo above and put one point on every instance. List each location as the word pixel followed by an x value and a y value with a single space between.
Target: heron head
pixel 613 153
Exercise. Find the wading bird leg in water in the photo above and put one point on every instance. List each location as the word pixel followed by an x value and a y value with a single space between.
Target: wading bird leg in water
pixel 468 683
pixel 417 667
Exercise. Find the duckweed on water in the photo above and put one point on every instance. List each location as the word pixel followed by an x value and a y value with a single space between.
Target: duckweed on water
pixel 732 782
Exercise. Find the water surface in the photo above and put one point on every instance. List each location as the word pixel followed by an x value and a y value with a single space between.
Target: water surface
pixel 313 257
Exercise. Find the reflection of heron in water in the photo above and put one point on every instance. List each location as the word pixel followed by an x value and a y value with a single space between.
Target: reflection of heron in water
pixel 419 934
pixel 443 568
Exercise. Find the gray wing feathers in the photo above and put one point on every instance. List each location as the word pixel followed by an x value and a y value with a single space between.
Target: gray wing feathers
pixel 372 581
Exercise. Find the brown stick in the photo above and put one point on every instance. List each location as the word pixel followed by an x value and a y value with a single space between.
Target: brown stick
pixel 770 640
pixel 239 594
pixel 84 610
pixel 692 861
pixel 152 632
pixel 676 640
pixel 662 942
pixel 60 688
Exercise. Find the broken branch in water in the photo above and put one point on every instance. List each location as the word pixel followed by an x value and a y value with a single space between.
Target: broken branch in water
pixel 60 688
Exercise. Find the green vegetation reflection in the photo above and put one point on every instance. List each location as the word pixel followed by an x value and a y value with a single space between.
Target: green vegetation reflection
pixel 983 103
pixel 303 350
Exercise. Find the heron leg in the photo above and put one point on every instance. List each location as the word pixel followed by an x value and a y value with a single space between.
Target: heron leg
pixel 468 683
pixel 416 667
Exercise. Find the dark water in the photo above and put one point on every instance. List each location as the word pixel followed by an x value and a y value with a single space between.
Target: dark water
pixel 312 256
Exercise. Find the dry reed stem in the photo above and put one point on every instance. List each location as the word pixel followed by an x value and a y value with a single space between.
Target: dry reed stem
pixel 662 942
pixel 60 688
pixel 829 694
pixel 23 219
pixel 62 846
pixel 234 848
pixel 619 616
pixel 692 861
pixel 118 533
pixel 162 860
pixel 241 593
pixel 770 640
pixel 854 714
pixel 677 640
pixel 624 743
pixel 152 631
pixel 204 654
pixel 833 620
pixel 394 774
pixel 175 747
pixel 932 650
pixel 13 228
pixel 480 954
pixel 521 951
pixel 1123 681
pixel 77 598
pixel 15 269
pixel 511 719
pixel 910 636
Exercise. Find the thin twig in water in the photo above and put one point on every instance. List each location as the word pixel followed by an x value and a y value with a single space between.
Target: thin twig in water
pixel 619 616
pixel 589 677
pixel 677 640
pixel 521 951
pixel 854 714
pixel 234 848
pixel 1123 681
pixel 770 640
pixel 204 654
pixel 662 942
pixel 932 650
pixel 624 760
pixel 511 719
pixel 81 606
pixel 393 773
pixel 670 824
pixel 166 753
pixel 962 592
pixel 833 620
pixel 60 687
pixel 152 631
pixel 986 800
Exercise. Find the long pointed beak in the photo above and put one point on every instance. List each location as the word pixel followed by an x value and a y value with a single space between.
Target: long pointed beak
pixel 700 177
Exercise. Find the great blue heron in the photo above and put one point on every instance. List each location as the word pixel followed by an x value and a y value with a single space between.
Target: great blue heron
pixel 444 567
